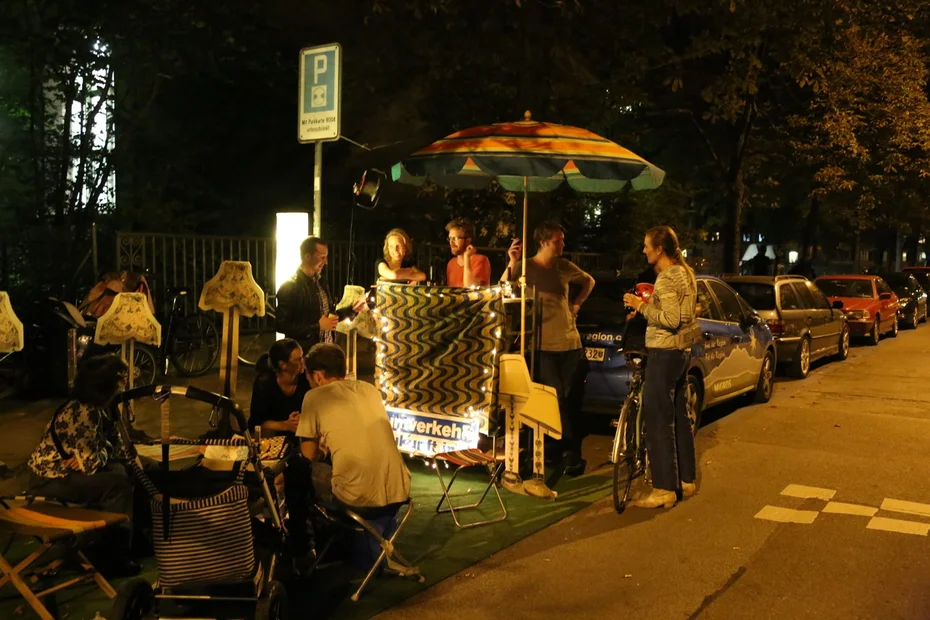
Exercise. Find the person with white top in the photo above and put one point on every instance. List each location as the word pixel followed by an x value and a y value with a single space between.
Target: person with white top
pixel 346 420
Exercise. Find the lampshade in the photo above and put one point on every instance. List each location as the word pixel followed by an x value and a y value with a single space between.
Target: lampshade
pixel 129 317
pixel 11 328
pixel 233 286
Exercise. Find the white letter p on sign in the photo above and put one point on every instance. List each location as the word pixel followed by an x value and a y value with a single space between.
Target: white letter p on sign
pixel 319 67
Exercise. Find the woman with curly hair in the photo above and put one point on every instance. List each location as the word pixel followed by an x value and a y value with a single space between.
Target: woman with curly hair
pixel 75 460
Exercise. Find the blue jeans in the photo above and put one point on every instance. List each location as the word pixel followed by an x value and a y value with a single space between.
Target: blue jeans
pixel 669 439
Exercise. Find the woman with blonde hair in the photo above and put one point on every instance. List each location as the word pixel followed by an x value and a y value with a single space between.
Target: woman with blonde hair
pixel 398 264
pixel 671 332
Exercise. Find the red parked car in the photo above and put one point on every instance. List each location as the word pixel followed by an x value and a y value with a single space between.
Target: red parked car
pixel 870 305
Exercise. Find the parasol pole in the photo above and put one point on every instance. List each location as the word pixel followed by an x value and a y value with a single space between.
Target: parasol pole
pixel 526 183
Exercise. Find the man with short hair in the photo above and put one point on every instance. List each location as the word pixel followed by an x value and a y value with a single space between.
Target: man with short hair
pixel 346 419
pixel 561 362
pixel 304 303
pixel 467 267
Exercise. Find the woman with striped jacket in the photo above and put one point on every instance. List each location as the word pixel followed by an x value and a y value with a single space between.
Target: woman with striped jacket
pixel 671 332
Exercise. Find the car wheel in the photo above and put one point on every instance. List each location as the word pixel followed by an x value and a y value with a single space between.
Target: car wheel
pixel 915 319
pixel 843 350
pixel 801 364
pixel 894 326
pixel 693 401
pixel 766 384
pixel 876 334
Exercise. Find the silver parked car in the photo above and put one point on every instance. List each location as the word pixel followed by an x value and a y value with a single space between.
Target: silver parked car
pixel 805 325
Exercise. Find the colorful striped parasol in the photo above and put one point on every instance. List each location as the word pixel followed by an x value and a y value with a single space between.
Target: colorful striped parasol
pixel 545 154
pixel 528 156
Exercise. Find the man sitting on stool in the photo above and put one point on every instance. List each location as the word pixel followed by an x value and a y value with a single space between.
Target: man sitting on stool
pixel 347 420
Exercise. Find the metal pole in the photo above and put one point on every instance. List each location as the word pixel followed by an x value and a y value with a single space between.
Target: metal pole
pixel 317 187
pixel 523 271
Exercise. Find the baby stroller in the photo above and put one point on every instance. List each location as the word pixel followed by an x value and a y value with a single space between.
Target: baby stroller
pixel 217 531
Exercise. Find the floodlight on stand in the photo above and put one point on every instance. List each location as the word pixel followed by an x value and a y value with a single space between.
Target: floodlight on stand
pixel 368 189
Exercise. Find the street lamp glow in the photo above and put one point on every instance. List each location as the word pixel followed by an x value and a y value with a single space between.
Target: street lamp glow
pixel 290 230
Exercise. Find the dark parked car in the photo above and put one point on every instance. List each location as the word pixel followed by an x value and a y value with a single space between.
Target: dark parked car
pixel 805 325
pixel 736 356
pixel 912 298
pixel 922 273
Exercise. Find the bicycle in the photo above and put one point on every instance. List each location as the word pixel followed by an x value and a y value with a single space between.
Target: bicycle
pixel 256 335
pixel 190 342
pixel 628 454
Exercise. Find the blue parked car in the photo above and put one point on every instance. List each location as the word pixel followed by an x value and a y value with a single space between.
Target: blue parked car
pixel 736 356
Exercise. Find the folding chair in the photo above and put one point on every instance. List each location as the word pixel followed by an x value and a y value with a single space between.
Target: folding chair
pixel 350 521
pixel 493 463
pixel 54 524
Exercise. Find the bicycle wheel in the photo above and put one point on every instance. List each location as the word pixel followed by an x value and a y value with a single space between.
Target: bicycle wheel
pixel 194 346
pixel 255 337
pixel 627 454
pixel 145 366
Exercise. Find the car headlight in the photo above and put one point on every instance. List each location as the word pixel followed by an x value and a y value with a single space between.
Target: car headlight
pixel 859 315
pixel 903 301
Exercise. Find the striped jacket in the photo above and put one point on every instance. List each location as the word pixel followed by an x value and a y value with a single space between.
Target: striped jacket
pixel 670 311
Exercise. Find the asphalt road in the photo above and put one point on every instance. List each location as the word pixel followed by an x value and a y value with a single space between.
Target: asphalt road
pixel 855 432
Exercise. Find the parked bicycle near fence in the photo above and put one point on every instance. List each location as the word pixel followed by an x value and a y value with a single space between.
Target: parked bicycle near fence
pixel 190 342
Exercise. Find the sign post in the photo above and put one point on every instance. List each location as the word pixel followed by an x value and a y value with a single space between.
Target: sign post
pixel 319 110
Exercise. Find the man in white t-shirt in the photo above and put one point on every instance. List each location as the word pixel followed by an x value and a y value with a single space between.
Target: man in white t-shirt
pixel 346 419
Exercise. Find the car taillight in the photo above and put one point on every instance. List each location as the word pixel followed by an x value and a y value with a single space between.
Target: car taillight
pixel 777 327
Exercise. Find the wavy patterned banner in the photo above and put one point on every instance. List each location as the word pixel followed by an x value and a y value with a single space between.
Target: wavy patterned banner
pixel 438 349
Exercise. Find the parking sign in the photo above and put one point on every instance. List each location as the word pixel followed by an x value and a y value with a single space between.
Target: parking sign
pixel 320 93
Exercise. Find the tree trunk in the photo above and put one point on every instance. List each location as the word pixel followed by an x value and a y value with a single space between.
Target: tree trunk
pixel 809 238
pixel 736 194
pixel 857 252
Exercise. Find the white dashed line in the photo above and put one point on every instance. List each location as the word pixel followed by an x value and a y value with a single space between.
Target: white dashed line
pixel 787 515
pixel 799 490
pixel 913 508
pixel 898 526
pixel 850 509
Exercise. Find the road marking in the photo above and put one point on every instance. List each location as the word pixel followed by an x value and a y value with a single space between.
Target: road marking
pixel 858 510
pixel 913 508
pixel 799 490
pixel 787 515
pixel 898 526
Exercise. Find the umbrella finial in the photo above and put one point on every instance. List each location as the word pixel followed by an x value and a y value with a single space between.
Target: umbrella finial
pixel 527 116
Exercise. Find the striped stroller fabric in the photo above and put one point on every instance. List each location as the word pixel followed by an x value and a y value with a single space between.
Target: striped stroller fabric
pixel 209 539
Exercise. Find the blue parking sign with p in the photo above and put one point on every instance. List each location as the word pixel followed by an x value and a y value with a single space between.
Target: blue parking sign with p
pixel 318 101
pixel 320 82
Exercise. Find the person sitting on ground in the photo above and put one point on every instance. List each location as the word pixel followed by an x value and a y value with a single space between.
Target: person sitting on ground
pixel 398 264
pixel 467 267
pixel 75 460
pixel 346 419
pixel 277 395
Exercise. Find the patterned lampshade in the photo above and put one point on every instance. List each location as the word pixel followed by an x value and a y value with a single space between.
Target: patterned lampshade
pixel 233 286
pixel 128 318
pixel 11 328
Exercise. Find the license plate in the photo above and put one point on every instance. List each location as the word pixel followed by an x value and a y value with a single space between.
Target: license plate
pixel 593 354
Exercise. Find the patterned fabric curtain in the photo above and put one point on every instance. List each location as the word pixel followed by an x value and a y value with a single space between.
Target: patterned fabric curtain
pixel 438 350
